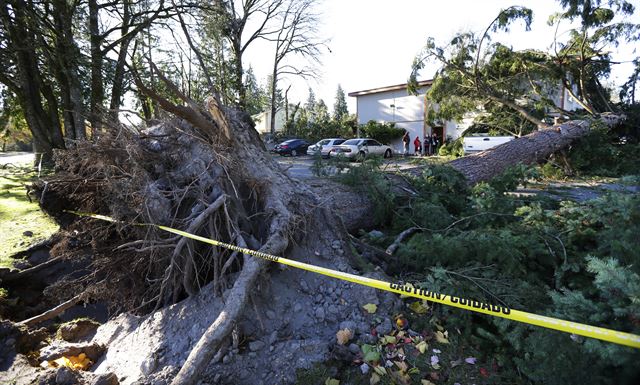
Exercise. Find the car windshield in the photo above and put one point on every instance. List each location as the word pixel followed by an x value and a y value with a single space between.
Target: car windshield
pixel 323 142
pixel 352 142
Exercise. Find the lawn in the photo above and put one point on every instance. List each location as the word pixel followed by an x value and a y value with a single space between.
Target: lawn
pixel 22 223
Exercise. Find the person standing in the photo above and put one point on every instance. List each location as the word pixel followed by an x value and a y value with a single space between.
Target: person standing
pixel 427 145
pixel 434 144
pixel 417 146
pixel 405 141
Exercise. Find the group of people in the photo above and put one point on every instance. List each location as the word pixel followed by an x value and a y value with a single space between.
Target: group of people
pixel 431 144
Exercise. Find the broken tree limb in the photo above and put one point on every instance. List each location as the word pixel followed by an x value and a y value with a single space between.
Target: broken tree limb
pixel 49 314
pixel 400 238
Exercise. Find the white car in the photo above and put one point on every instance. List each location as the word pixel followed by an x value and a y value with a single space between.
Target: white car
pixel 361 148
pixel 324 147
pixel 479 142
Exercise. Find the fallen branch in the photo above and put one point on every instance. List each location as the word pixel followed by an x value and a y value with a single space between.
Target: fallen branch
pixel 408 232
pixel 49 314
pixel 32 270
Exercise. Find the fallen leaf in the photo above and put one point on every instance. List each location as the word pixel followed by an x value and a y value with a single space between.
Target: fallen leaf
pixel 442 337
pixel 375 378
pixel 402 323
pixel 343 336
pixel 414 371
pixel 401 365
pixel 389 340
pixel 372 357
pixel 437 351
pixel 434 360
pixel 456 363
pixel 331 381
pixel 380 370
pixel 426 382
pixel 364 368
pixel 422 346
pixel 370 308
pixel 484 372
pixel 419 307
pixel 470 360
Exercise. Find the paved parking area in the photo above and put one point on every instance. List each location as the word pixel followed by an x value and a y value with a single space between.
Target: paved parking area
pixel 299 167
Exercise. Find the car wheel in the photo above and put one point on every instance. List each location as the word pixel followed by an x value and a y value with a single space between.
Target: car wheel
pixel 388 154
pixel 294 153
pixel 361 156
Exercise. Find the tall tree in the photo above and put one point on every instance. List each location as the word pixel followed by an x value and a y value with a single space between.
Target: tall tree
pixel 242 24
pixel 23 74
pixel 340 109
pixel 475 74
pixel 296 36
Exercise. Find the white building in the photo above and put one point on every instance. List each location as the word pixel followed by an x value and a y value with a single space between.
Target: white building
pixel 263 121
pixel 394 104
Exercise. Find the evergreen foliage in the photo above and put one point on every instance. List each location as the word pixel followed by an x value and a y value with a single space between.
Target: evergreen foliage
pixel 340 109
pixel 578 261
pixel 382 132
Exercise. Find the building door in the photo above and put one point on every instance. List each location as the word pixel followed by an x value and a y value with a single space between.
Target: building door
pixel 439 131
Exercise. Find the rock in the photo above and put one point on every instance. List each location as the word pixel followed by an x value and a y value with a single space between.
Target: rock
pixel 304 286
pixel 148 366
pixel 271 314
pixel 76 330
pixel 348 325
pixel 318 298
pixel 106 379
pixel 376 234
pixel 28 233
pixel 61 348
pixel 254 346
pixel 297 308
pixel 273 337
pixel 354 348
pixel 369 339
pixel 333 309
pixel 336 245
pixel 385 327
pixel 216 379
pixel 66 376
pixel 320 314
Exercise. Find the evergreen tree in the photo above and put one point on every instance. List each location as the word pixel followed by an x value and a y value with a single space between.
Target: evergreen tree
pixel 321 112
pixel 256 98
pixel 340 109
pixel 311 101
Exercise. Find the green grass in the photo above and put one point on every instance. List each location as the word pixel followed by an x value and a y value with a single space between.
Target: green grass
pixel 18 215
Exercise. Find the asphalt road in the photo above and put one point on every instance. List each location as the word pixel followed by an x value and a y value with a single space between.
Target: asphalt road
pixel 16 157
pixel 299 167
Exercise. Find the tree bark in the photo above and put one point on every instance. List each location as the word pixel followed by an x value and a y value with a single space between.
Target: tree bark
pixel 528 149
pixel 97 89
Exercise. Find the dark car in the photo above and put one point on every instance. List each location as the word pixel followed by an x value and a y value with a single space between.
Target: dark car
pixel 291 147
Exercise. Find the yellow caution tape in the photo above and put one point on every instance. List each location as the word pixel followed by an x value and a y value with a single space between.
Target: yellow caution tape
pixel 604 334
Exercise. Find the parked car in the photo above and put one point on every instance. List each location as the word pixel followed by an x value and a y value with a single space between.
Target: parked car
pixel 293 147
pixel 480 142
pixel 324 147
pixel 361 148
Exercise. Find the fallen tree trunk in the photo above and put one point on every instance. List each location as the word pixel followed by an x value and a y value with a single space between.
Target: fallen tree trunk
pixel 528 149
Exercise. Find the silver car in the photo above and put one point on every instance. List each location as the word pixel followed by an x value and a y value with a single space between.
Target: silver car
pixel 361 148
pixel 324 147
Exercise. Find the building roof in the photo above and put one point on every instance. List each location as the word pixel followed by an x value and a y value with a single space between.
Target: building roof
pixel 397 87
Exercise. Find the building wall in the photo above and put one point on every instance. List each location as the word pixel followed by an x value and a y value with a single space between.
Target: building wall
pixel 263 121
pixel 405 110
